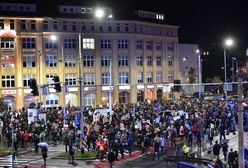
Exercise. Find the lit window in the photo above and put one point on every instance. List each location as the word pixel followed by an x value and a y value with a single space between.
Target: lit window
pixel 51 61
pixel 139 77
pixel 159 77
pixel 89 79
pixel 149 60
pixel 29 61
pixel 7 61
pixel 149 77
pixel 71 79
pixel 105 78
pixel 123 60
pixel 88 43
pixel 26 79
pixel 123 78
pixel 105 60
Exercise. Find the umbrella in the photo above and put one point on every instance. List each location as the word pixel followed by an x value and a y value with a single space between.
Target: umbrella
pixel 42 144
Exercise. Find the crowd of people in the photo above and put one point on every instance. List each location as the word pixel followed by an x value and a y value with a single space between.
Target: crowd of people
pixel 159 124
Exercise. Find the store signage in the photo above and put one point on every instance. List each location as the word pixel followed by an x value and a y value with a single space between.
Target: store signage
pixel 7 92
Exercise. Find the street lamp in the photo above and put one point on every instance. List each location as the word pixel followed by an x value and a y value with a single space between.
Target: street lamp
pixel 228 43
pixel 99 13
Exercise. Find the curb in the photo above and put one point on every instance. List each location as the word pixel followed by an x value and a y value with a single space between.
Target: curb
pixel 66 158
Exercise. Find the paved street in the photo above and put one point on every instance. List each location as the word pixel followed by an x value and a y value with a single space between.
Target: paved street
pixel 141 161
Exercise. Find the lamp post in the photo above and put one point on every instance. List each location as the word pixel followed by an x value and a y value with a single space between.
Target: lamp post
pixel 233 59
pixel 199 72
pixel 110 92
pixel 228 43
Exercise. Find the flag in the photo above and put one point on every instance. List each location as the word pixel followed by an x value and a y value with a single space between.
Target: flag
pixel 75 120
pixel 66 114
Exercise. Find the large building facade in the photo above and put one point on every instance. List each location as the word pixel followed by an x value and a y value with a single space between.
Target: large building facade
pixel 143 55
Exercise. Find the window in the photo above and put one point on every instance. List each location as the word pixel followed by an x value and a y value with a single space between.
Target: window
pixel 28 43
pixel 69 43
pixel 170 46
pixel 74 26
pixel 158 60
pixel 139 77
pixel 159 46
pixel 118 27
pixel 51 61
pixel 7 42
pixel 89 99
pixel 139 61
pixel 123 97
pixel 140 96
pixel 26 79
pixel 106 43
pixel 109 28
pixel 123 78
pixel 149 77
pixel 55 25
pixel 123 60
pixel 12 24
pixel 88 60
pixel 89 79
pixel 2 24
pixel 8 81
pixel 82 26
pixel 139 44
pixel 170 77
pixel 23 24
pixel 105 78
pixel 29 61
pixel 149 45
pixel 33 25
pixel 65 26
pixel 105 60
pixel 159 77
pixel 7 61
pixel 126 27
pixel 71 79
pixel 70 61
pixel 92 27
pixel 88 43
pixel 149 60
pixel 49 78
pixel 101 28
pixel 45 25
pixel 52 100
pixel 50 44
pixel 71 10
pixel 122 44
pixel 65 10
pixel 170 60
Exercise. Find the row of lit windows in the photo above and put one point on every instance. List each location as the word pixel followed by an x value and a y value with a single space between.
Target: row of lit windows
pixel 29 61
pixel 8 81
pixel 88 43
pixel 31 25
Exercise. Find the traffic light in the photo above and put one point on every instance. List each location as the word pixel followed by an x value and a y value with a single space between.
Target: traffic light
pixel 56 84
pixel 34 87
pixel 177 86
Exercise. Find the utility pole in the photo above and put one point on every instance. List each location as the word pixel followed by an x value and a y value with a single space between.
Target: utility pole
pixel 240 124
pixel 81 84
pixel 110 92
pixel 63 79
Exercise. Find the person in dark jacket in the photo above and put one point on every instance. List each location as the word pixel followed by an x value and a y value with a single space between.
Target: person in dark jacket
pixel 231 158
pixel 111 158
pixel 225 150
pixel 44 154
pixel 216 149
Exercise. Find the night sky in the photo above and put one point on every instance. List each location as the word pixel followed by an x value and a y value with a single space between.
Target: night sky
pixel 203 22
